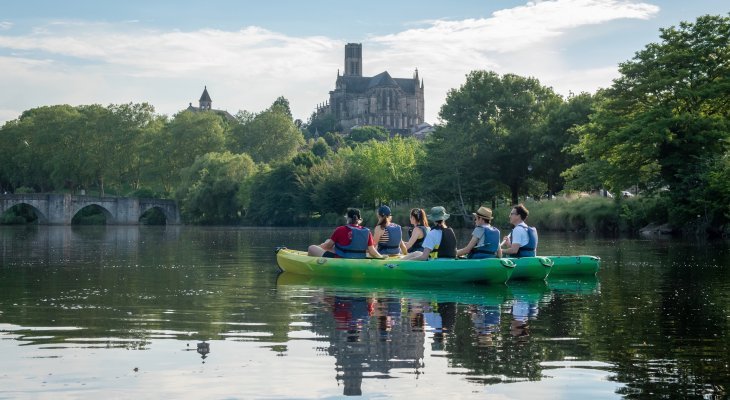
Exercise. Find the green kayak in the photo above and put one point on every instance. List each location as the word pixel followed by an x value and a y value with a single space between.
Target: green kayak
pixel 565 266
pixel 531 268
pixel 491 270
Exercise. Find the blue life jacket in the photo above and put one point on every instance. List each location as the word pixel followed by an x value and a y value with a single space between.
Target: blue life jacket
pixel 418 244
pixel 357 247
pixel 530 249
pixel 490 244
pixel 392 246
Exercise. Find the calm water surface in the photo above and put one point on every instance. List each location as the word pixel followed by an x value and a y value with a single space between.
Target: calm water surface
pixel 201 313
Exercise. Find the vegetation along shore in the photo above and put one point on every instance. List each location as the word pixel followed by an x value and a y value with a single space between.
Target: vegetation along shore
pixel 653 146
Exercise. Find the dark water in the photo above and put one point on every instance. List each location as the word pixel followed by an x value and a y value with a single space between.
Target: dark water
pixel 190 312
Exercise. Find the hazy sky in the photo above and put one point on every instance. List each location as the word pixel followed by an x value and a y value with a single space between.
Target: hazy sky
pixel 248 53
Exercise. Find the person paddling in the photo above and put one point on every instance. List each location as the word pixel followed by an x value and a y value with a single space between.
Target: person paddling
pixel 522 242
pixel 484 241
pixel 347 241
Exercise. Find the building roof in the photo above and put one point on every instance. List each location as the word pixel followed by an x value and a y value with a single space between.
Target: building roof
pixel 361 84
pixel 205 96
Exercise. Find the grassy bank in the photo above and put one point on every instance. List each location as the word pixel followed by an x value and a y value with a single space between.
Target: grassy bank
pixel 597 214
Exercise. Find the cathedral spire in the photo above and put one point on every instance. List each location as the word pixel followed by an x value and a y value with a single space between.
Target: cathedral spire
pixel 205 102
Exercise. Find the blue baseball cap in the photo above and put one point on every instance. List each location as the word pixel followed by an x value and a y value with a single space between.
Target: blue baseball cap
pixel 384 210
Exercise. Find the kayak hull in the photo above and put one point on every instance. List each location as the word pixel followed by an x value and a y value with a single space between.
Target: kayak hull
pixel 492 270
pixel 531 268
pixel 567 266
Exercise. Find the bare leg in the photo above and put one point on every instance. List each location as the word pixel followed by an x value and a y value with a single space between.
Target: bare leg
pixel 411 256
pixel 315 251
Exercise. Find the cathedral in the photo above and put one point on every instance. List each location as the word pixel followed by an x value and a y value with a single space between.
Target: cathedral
pixel 395 104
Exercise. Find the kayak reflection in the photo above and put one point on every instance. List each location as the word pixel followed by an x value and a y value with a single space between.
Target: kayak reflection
pixel 385 329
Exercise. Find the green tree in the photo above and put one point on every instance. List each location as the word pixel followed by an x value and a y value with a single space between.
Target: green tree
pixel 283 104
pixel 320 148
pixel 280 196
pixel 320 124
pixel 665 116
pixel 187 136
pixel 365 133
pixel 552 151
pixel 269 136
pixel 489 137
pixel 335 184
pixel 215 189
pixel 388 169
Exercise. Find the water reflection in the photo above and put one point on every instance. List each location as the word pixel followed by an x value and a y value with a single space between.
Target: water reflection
pixel 653 322
pixel 375 329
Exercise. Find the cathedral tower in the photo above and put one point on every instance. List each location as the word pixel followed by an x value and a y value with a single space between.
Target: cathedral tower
pixel 353 59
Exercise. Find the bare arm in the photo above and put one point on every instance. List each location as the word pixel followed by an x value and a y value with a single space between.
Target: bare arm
pixel 377 233
pixel 417 234
pixel 424 255
pixel 467 249
pixel 514 248
pixel 403 248
pixel 328 245
pixel 373 252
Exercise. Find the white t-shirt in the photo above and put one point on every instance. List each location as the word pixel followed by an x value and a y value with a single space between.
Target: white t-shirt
pixel 519 235
pixel 432 240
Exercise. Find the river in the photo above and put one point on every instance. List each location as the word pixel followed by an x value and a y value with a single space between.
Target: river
pixel 202 313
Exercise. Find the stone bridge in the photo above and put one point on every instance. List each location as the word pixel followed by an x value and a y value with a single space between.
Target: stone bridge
pixel 59 209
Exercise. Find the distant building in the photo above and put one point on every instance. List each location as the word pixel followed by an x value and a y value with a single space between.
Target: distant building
pixel 206 104
pixel 395 104
pixel 421 131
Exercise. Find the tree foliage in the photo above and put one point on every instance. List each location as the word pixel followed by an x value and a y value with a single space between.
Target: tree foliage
pixel 215 188
pixel 490 135
pixel 366 133
pixel 269 136
pixel 665 116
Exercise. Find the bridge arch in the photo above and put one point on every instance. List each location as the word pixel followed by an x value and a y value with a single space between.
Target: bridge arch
pixel 108 216
pixel 59 209
pixel 42 218
pixel 155 207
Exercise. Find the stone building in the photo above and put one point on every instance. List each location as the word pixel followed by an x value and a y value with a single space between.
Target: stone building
pixel 396 104
pixel 206 104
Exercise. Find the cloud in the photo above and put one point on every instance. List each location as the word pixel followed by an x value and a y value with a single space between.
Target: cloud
pixel 79 62
pixel 5 25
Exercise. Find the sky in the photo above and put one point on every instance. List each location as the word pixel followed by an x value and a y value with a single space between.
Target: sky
pixel 248 53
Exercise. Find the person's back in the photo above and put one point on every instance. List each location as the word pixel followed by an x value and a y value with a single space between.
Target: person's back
pixel 390 240
pixel 347 241
pixel 357 245
pixel 446 248
pixel 418 243
pixel 488 243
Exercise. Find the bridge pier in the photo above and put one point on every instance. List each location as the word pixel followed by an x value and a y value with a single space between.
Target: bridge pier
pixel 59 209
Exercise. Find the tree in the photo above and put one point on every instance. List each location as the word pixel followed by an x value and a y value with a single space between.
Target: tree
pixel 188 135
pixel 320 124
pixel 489 137
pixel 388 169
pixel 552 150
pixel 269 136
pixel 215 189
pixel 283 104
pixel 368 132
pixel 665 116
